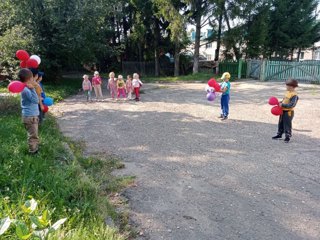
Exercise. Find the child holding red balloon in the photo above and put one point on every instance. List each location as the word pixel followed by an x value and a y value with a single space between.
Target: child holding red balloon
pixel 288 104
pixel 30 109
pixel 225 97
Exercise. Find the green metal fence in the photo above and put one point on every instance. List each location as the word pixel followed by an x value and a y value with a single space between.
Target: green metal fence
pixel 308 71
pixel 237 69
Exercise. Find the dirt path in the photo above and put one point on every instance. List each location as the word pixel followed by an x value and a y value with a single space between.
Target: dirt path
pixel 202 179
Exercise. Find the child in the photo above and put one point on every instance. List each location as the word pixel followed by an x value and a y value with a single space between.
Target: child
pixel 136 83
pixel 288 103
pixel 129 87
pixel 87 87
pixel 36 77
pixel 43 96
pixel 225 98
pixel 30 109
pixel 121 87
pixel 97 82
pixel 112 84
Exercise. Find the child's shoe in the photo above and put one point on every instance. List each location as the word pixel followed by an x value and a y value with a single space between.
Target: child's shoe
pixel 224 118
pixel 286 140
pixel 277 137
pixel 221 116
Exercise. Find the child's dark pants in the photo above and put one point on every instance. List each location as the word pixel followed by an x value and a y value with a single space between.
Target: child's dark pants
pixel 285 123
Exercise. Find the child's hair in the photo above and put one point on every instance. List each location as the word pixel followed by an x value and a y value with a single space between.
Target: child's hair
pixel 25 74
pixel 129 77
pixel 135 75
pixel 96 73
pixel 34 71
pixel 110 74
pixel 120 77
pixel 85 76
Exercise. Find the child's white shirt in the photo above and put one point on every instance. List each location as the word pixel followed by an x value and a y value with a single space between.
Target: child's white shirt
pixel 136 83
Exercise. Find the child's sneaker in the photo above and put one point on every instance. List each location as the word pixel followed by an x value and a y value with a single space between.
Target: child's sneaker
pixel 277 137
pixel 221 116
pixel 287 139
pixel 224 118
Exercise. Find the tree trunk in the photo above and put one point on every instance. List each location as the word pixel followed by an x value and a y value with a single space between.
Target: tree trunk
pixel 156 48
pixel 235 49
pixel 197 44
pixel 217 53
pixel 177 58
pixel 299 53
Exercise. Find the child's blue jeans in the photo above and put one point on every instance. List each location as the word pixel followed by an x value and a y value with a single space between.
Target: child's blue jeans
pixel 225 105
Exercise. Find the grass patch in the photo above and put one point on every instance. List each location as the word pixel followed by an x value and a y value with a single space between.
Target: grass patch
pixel 203 77
pixel 58 91
pixel 62 180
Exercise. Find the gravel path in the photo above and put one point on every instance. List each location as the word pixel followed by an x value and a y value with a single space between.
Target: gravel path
pixel 202 179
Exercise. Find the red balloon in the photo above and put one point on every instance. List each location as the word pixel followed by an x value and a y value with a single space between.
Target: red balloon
pixel 277 111
pixel 273 101
pixel 22 55
pixel 16 87
pixel 23 64
pixel 45 108
pixel 32 63
pixel 213 83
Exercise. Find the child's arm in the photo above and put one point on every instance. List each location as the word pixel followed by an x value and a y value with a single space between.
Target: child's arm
pixel 292 103
pixel 32 95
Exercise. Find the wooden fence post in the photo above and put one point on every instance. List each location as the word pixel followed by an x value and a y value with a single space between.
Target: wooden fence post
pixel 263 71
pixel 249 63
pixel 239 68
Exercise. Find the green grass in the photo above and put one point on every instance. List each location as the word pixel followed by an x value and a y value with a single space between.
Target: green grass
pixel 62 181
pixel 203 77
pixel 57 91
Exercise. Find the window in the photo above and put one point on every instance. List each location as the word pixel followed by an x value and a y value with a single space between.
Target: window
pixel 209 45
pixel 209 57
pixel 193 36
pixel 301 55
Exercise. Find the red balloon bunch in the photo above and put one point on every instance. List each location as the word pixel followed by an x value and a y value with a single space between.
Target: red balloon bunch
pixel 213 83
pixel 26 61
pixel 276 110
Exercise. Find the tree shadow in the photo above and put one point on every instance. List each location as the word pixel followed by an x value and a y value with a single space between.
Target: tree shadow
pixel 201 179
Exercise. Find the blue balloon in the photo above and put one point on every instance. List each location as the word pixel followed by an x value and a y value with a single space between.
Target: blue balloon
pixel 48 101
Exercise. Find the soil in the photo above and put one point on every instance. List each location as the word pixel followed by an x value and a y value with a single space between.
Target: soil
pixel 199 178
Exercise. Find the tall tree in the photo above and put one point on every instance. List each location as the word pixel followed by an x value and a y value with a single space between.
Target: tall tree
pixel 172 11
pixel 199 10
pixel 293 26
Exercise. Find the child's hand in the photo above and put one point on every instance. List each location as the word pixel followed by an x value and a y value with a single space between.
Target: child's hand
pixel 30 85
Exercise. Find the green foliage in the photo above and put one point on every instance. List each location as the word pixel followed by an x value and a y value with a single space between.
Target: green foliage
pixel 29 223
pixel 17 37
pixel 65 183
pixel 293 25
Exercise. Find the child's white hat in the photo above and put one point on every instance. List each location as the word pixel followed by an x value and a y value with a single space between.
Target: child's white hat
pixel 96 73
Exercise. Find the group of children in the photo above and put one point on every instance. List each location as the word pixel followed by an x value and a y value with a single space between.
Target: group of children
pixel 117 86
pixel 33 95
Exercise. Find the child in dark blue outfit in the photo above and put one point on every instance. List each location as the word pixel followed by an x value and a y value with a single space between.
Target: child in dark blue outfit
pixel 225 98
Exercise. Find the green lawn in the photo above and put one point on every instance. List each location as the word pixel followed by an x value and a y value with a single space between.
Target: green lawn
pixel 64 182
pixel 202 77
